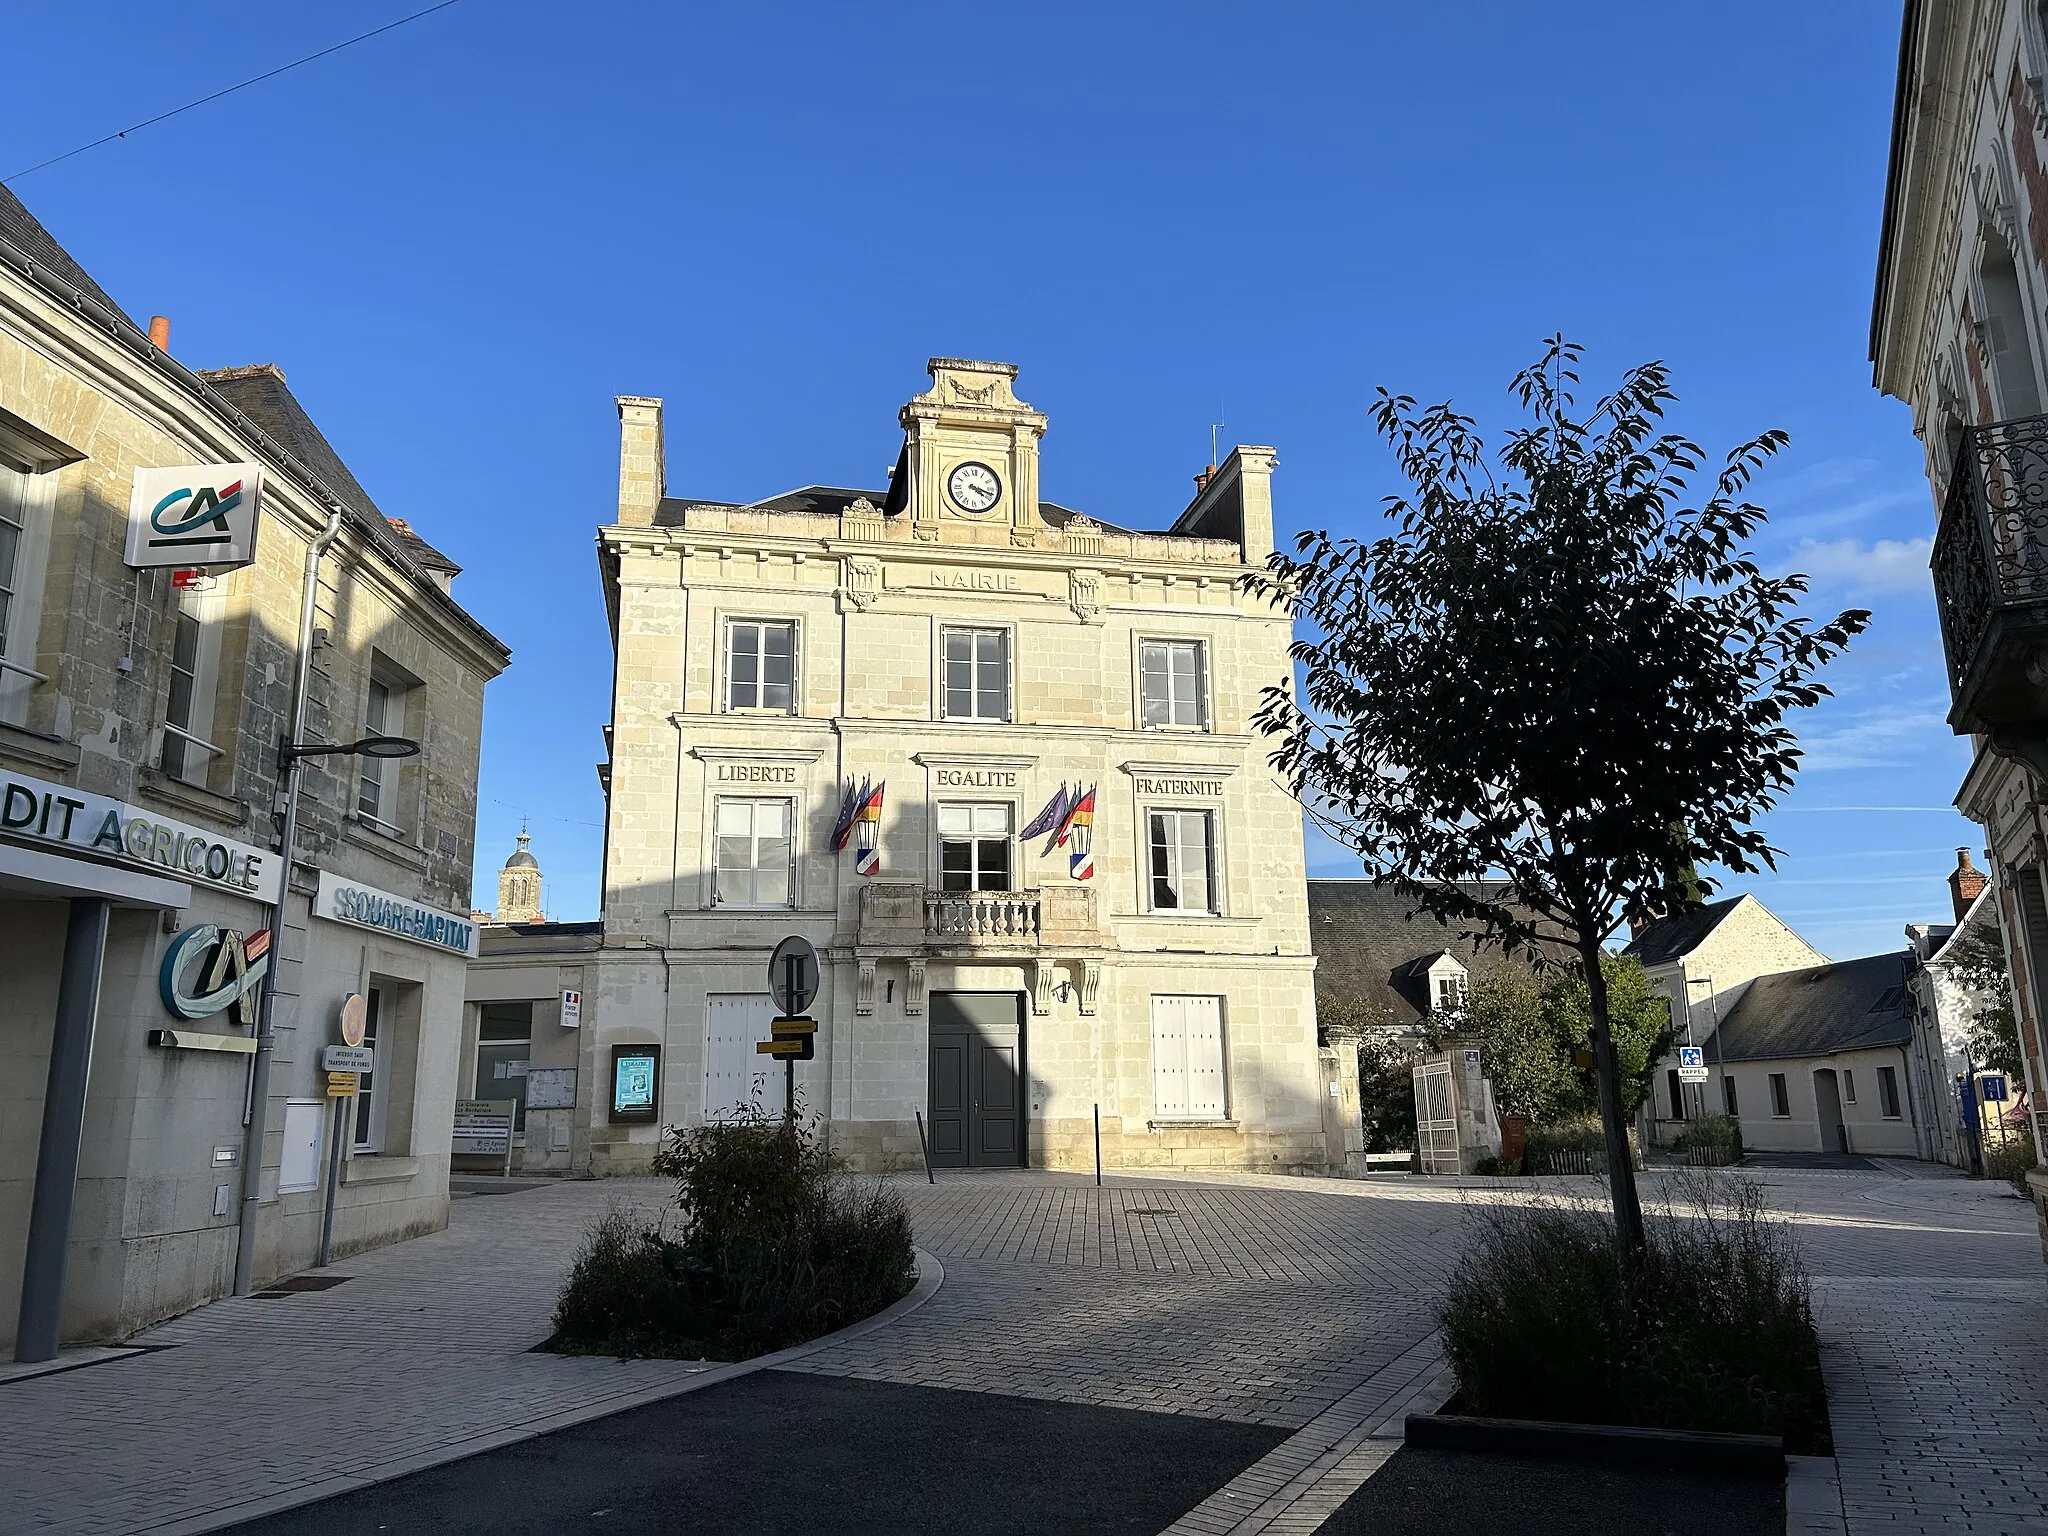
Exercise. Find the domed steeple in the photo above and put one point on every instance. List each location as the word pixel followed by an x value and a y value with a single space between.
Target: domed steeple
pixel 519 886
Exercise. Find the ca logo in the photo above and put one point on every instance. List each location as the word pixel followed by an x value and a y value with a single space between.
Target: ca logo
pixel 227 967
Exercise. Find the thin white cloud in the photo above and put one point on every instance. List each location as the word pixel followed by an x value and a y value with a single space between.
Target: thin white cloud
pixel 1888 565
pixel 1884 737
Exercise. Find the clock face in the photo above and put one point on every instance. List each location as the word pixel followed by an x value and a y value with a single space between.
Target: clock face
pixel 973 487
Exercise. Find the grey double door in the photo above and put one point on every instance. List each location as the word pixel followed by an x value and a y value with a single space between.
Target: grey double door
pixel 977 1079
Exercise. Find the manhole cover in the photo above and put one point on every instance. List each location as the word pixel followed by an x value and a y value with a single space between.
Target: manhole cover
pixel 297 1283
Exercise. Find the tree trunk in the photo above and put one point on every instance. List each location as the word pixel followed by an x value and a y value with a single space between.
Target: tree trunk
pixel 1621 1170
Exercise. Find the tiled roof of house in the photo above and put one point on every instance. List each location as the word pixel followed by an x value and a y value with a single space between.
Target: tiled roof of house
pixel 21 228
pixel 1368 940
pixel 1850 1005
pixel 1667 938
pixel 259 392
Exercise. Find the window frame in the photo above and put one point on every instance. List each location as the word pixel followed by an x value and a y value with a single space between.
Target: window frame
pixel 728 623
pixel 1213 822
pixel 792 811
pixel 1188 1113
pixel 1848 1085
pixel 1007 635
pixel 390 775
pixel 1205 713
pixel 974 842
pixel 1889 1104
pixel 370 1109
pixel 1729 1097
pixel 31 498
pixel 192 761
pixel 1781 1097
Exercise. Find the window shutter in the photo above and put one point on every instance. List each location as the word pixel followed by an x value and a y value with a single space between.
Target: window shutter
pixel 1169 1057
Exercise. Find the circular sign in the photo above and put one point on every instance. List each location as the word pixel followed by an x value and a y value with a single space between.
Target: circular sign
pixel 355 1019
pixel 793 974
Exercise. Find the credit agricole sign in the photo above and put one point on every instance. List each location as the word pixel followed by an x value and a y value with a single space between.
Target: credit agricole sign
pixel 67 820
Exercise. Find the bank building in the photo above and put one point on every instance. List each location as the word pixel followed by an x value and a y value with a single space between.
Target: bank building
pixel 994 757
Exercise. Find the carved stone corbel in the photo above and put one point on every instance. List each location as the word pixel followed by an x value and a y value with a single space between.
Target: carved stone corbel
pixel 1042 974
pixel 1091 984
pixel 864 993
pixel 913 991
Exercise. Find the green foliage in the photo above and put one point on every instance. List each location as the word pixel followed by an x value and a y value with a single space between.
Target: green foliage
pixel 1718 1335
pixel 1712 1141
pixel 1386 1093
pixel 773 1244
pixel 1567 1146
pixel 1639 1016
pixel 2009 1160
pixel 1530 1035
pixel 1994 1029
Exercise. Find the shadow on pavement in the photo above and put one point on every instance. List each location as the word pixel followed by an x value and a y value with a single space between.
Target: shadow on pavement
pixel 1449 1493
pixel 781 1451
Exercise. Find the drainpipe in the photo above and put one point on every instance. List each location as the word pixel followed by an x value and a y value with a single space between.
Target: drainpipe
pixel 266 1033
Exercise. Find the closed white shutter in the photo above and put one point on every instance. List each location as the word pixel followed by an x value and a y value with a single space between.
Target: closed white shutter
pixel 735 1074
pixel 1187 1058
pixel 1205 1056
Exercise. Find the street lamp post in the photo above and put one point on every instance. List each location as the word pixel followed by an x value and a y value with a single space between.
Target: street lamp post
pixel 290 752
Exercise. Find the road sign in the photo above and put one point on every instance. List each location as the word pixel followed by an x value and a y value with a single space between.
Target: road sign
pixel 348 1058
pixel 793 1026
pixel 793 974
pixel 1990 1086
pixel 796 1048
pixel 341 1085
pixel 1692 1065
pixel 355 1019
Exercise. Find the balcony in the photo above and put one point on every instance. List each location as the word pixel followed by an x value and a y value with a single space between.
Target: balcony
pixel 908 917
pixel 1991 584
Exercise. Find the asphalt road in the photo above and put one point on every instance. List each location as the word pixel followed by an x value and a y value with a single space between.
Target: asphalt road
pixel 787 1452
pixel 1438 1493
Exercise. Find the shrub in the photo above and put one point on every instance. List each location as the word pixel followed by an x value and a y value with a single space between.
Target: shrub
pixel 2010 1162
pixel 1569 1146
pixel 773 1243
pixel 1718 1336
pixel 1712 1141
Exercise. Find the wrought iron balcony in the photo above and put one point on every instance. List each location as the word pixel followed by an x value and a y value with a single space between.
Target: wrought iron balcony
pixel 1991 581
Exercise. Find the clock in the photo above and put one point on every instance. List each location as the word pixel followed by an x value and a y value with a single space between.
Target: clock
pixel 973 487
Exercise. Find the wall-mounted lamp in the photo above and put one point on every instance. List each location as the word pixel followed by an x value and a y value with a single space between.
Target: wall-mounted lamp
pixel 1064 991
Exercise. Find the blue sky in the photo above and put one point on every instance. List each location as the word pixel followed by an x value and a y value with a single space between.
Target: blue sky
pixel 462 239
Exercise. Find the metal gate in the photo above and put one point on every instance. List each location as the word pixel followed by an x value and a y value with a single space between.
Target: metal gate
pixel 1436 1117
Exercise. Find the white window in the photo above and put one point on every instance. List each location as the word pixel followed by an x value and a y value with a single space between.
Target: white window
pixel 188 748
pixel 370 1093
pixel 974 847
pixel 24 527
pixel 1888 1092
pixel 1450 993
pixel 760 665
pixel 754 854
pixel 1781 1101
pixel 975 664
pixel 377 777
pixel 1182 861
pixel 1172 685
pixel 1187 1058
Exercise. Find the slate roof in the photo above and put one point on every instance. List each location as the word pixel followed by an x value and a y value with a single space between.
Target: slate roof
pixel 1667 938
pixel 260 393
pixel 21 228
pixel 1850 1005
pixel 1372 945
pixel 832 501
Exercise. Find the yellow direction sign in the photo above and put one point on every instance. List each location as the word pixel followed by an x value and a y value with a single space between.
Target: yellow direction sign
pixel 790 1047
pixel 341 1085
pixel 793 1026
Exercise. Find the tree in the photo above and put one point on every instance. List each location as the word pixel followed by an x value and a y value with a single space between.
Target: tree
pixel 1979 968
pixel 1529 1066
pixel 1638 1018
pixel 1558 675
pixel 1386 1068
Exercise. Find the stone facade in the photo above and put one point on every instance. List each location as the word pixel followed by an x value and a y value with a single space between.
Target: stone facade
pixel 1959 332
pixel 863 591
pixel 101 658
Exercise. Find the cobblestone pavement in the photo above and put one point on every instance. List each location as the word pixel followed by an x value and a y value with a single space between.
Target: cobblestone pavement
pixel 1301 1304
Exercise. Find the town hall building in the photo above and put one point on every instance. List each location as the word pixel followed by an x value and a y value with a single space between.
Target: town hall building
pixel 995 759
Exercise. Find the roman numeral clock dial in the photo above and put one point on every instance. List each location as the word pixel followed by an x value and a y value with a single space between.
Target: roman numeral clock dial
pixel 973 487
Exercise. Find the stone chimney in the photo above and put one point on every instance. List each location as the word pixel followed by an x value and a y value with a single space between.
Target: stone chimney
pixel 1965 883
pixel 642 477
